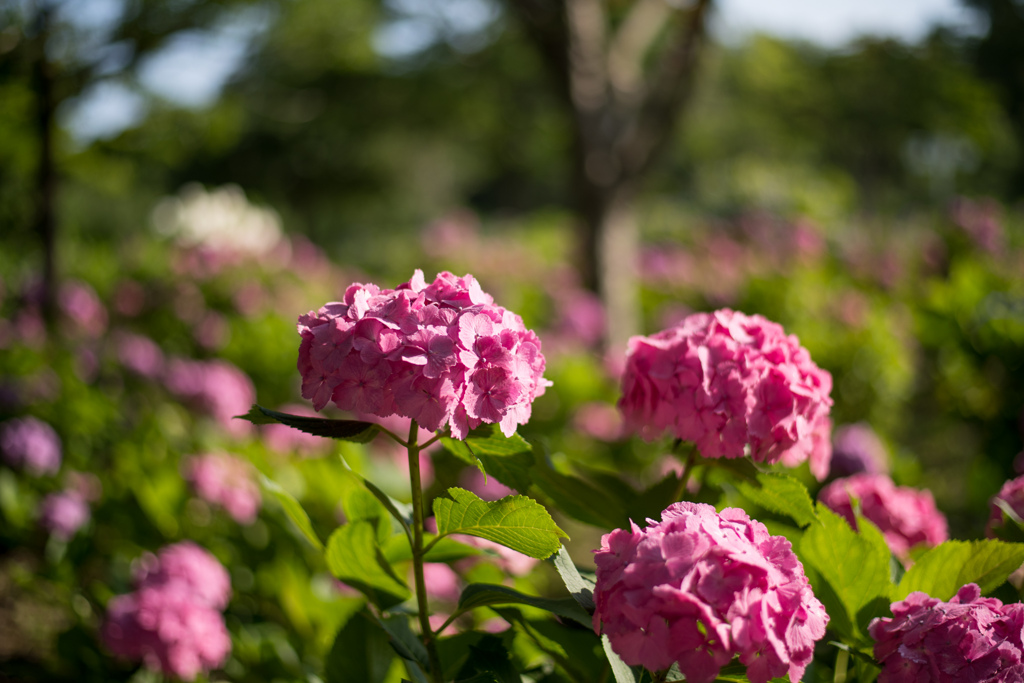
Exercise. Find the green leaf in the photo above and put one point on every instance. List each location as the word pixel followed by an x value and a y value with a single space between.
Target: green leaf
pixel 944 569
pixel 516 522
pixel 403 515
pixel 346 430
pixel 360 652
pixel 408 646
pixel 488 661
pixel 581 589
pixel 354 557
pixel 507 459
pixel 294 510
pixel 781 494
pixel 484 595
pixel 623 672
pixel 579 498
pixel 849 571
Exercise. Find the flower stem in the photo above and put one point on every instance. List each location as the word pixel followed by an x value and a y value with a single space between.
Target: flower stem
pixel 685 476
pixel 418 553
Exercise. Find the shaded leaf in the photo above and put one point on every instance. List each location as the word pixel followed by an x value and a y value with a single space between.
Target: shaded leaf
pixel 361 652
pixel 488 661
pixel 354 557
pixel 294 510
pixel 781 494
pixel 581 589
pixel 944 569
pixel 408 645
pixel 346 430
pixel 623 672
pixel 516 522
pixel 507 459
pixel 484 595
pixel 400 511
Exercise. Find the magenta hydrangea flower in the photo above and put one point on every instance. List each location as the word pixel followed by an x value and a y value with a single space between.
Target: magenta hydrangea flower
pixel 969 639
pixel 733 384
pixel 857 448
pixel 168 630
pixel 226 481
pixel 64 513
pixel 906 516
pixel 216 387
pixel 441 354
pixel 30 444
pixel 190 566
pixel 1012 494
pixel 701 587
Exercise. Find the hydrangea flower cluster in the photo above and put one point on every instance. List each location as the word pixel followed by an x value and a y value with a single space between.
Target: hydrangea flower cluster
pixel 64 513
pixel 30 444
pixel 700 587
pixel 226 481
pixel 1012 494
pixel 441 354
pixel 966 640
pixel 730 383
pixel 216 387
pixel 906 516
pixel 173 621
pixel 856 448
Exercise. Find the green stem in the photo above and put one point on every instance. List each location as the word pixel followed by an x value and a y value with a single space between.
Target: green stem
pixel 418 552
pixel 685 476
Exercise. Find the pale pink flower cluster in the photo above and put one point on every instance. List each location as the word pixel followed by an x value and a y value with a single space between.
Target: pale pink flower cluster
pixel 441 354
pixel 173 621
pixel 63 513
pixel 30 444
pixel 732 384
pixel 215 387
pixel 969 639
pixel 701 587
pixel 226 481
pixel 906 516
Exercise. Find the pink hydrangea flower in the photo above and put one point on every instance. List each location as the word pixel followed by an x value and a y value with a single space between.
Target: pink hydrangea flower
pixel 906 516
pixel 701 587
pixel 30 444
pixel 64 513
pixel 969 639
pixel 168 630
pixel 140 355
pixel 216 387
pixel 442 582
pixel 441 354
pixel 1012 493
pixel 190 566
pixel 83 307
pixel 226 481
pixel 732 384
pixel 856 448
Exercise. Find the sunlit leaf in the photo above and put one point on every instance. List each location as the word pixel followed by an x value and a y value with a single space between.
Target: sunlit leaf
pixel 848 570
pixel 781 494
pixel 516 522
pixel 944 569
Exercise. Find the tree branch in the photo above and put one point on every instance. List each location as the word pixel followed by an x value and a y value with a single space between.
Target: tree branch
pixel 630 45
pixel 671 88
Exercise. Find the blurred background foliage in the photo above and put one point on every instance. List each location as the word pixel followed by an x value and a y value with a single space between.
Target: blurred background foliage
pixel 868 198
